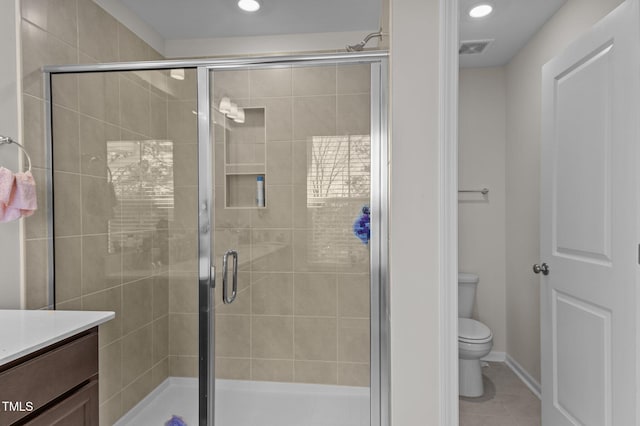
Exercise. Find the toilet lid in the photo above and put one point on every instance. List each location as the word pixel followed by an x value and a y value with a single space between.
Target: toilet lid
pixel 472 331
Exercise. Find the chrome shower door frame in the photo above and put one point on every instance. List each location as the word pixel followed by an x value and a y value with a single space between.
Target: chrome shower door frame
pixel 379 292
pixel 379 256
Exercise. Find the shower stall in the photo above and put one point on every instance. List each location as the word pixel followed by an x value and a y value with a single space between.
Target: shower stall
pixel 233 213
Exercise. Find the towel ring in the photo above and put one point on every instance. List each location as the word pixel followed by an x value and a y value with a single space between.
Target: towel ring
pixel 5 140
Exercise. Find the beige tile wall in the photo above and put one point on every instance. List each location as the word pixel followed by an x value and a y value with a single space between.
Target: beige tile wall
pixel 89 276
pixel 299 316
pixel 90 109
pixel 294 320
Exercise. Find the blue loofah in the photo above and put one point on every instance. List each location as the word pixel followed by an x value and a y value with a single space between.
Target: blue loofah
pixel 361 227
pixel 175 421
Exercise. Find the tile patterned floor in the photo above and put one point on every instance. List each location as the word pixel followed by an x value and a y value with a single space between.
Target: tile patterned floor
pixel 507 401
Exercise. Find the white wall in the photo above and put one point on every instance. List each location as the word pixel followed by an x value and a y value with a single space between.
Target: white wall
pixel 481 220
pixel 523 172
pixel 414 239
pixel 10 241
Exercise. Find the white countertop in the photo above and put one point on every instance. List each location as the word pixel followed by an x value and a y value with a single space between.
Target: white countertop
pixel 23 332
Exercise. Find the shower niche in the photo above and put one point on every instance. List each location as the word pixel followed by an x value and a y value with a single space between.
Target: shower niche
pixel 244 158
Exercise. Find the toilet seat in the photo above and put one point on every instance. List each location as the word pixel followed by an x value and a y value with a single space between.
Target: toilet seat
pixel 472 331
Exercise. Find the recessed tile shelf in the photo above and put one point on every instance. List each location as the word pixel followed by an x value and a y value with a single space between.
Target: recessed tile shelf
pixel 240 191
pixel 244 169
pixel 244 158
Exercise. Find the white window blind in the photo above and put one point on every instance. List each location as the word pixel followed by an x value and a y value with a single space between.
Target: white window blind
pixel 338 186
pixel 142 176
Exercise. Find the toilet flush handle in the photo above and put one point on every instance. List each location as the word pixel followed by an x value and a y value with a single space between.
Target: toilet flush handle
pixel 544 268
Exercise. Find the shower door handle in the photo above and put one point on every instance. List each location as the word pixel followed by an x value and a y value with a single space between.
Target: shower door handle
pixel 225 281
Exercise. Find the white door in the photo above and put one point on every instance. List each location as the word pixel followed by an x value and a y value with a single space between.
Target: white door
pixel 588 226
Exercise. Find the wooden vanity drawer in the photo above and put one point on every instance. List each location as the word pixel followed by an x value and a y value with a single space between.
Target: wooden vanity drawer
pixel 78 409
pixel 46 376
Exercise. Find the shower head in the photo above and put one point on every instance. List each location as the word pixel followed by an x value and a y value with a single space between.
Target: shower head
pixel 358 47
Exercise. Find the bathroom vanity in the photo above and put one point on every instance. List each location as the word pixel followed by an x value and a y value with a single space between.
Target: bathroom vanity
pixel 49 367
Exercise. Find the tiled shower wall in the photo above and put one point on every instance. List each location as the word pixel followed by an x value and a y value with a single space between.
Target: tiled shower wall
pixel 297 318
pixel 98 268
pixel 61 32
pixel 302 312
pixel 94 268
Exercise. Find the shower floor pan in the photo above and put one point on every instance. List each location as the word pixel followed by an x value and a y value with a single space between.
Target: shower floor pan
pixel 247 403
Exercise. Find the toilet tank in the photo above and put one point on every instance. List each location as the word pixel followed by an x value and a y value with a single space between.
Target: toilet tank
pixel 467 284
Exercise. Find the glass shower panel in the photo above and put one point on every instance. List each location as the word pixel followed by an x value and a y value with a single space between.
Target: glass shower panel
pixel 125 219
pixel 293 348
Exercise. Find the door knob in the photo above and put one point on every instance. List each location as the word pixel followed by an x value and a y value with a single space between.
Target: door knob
pixel 544 268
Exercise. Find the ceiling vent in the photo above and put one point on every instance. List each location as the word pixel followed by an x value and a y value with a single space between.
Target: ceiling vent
pixel 473 47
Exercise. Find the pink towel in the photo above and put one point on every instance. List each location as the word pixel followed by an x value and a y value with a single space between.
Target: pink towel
pixel 23 202
pixel 7 189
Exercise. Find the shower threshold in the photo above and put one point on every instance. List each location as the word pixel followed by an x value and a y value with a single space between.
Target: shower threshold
pixel 251 403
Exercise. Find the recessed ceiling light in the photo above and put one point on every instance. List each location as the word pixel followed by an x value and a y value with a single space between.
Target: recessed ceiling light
pixel 249 5
pixel 481 10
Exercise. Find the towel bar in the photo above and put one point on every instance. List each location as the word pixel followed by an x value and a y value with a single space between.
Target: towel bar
pixel 5 140
pixel 483 191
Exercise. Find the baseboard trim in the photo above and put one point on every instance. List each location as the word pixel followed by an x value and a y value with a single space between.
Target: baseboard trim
pixel 495 357
pixel 531 383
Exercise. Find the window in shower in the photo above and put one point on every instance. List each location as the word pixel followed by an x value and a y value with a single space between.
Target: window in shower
pixel 338 183
pixel 340 167
pixel 140 179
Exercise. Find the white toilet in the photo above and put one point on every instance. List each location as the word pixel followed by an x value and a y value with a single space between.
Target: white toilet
pixel 474 339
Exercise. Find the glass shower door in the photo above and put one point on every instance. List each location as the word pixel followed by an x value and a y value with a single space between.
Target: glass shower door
pixel 125 221
pixel 162 174
pixel 291 204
